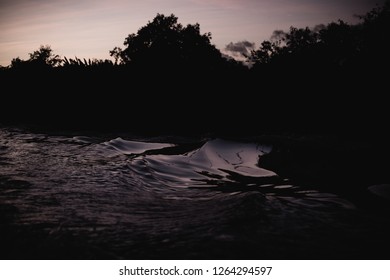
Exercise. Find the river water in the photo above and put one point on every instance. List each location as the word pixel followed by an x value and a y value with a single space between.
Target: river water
pixel 120 196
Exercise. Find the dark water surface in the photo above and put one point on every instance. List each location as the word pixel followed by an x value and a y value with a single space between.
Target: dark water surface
pixel 108 196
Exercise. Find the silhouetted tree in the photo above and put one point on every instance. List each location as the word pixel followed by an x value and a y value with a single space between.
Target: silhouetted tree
pixel 287 48
pixel 265 53
pixel 41 58
pixel 331 73
pixel 339 43
pixel 116 54
pixel 44 55
pixel 165 42
pixel 375 43
pixel 300 39
pixel 334 46
pixel 17 63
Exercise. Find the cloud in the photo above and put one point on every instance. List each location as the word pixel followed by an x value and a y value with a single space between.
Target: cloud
pixel 240 49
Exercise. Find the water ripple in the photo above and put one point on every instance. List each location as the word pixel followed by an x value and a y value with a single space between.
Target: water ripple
pixel 166 194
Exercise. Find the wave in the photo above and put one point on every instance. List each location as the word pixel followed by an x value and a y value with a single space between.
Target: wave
pixel 163 198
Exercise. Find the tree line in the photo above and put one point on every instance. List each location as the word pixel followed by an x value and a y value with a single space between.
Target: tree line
pixel 296 77
pixel 164 42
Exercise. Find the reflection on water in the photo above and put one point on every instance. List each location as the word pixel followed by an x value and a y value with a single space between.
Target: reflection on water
pixel 112 197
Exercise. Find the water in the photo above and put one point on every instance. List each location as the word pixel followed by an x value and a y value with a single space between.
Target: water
pixel 125 197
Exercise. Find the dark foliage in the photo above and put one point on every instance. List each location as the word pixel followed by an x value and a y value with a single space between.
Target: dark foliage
pixel 169 77
pixel 165 43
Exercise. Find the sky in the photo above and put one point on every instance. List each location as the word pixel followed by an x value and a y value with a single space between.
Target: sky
pixel 91 28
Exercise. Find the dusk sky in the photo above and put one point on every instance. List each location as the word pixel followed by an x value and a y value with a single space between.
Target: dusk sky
pixel 90 28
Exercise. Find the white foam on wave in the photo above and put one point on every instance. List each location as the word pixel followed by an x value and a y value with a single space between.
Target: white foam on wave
pixel 215 162
pixel 237 157
pixel 133 147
